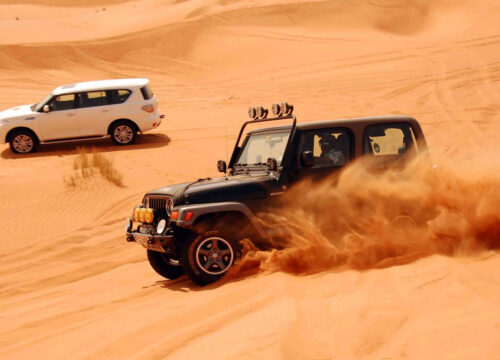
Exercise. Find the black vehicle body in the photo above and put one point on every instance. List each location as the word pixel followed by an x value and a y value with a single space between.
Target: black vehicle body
pixel 244 191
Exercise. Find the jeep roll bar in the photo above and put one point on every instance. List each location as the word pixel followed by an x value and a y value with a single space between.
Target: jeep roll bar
pixel 263 118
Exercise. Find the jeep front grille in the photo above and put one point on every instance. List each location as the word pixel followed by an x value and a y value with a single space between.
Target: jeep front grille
pixel 158 204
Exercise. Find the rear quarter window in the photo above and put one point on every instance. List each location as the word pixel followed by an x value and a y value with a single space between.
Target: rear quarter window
pixel 119 96
pixel 389 140
pixel 146 92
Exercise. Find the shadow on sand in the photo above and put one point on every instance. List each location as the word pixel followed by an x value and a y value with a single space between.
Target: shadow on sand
pixel 145 141
pixel 185 284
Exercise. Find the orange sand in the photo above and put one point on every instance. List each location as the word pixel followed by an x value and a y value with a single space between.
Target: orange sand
pixel 72 288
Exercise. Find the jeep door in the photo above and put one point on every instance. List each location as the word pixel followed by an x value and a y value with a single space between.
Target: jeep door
pixel 94 113
pixel 324 151
pixel 60 122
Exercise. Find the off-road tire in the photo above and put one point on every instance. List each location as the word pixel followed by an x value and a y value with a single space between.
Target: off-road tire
pixel 163 265
pixel 20 139
pixel 123 133
pixel 192 257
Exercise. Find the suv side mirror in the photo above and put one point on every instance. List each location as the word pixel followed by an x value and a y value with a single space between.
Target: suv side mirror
pixel 307 159
pixel 272 164
pixel 221 166
pixel 46 108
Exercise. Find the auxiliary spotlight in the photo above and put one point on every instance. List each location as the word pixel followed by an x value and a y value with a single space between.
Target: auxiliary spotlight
pixel 276 109
pixel 261 112
pixel 286 109
pixel 252 113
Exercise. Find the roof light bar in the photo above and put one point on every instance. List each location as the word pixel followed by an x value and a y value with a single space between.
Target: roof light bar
pixel 283 109
pixel 278 109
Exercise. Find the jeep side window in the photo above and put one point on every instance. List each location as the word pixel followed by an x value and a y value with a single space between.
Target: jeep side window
pixel 92 98
pixel 387 140
pixel 62 102
pixel 330 147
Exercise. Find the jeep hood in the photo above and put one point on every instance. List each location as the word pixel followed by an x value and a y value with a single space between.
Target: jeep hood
pixel 16 112
pixel 227 188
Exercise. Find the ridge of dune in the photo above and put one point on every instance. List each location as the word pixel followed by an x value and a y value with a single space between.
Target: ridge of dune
pixel 90 23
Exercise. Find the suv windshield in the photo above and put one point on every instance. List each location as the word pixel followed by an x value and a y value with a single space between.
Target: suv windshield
pixel 38 106
pixel 259 147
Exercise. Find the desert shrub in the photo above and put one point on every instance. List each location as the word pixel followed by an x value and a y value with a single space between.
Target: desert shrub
pixel 87 164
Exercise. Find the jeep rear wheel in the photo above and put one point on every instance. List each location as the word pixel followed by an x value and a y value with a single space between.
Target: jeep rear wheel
pixel 208 256
pixel 165 265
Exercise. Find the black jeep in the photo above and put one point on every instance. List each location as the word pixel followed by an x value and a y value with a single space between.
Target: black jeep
pixel 195 228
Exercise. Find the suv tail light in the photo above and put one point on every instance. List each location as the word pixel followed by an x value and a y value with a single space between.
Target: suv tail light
pixel 149 108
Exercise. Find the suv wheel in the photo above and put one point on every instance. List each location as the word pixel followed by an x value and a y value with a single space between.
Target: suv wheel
pixel 208 256
pixel 164 265
pixel 23 142
pixel 123 133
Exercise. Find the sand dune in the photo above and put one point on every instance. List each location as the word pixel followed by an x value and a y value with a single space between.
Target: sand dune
pixel 71 287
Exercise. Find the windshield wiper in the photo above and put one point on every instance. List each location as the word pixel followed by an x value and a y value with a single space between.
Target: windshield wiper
pixel 264 165
pixel 243 166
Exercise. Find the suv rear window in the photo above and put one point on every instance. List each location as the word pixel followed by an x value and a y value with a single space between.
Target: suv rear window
pixel 146 92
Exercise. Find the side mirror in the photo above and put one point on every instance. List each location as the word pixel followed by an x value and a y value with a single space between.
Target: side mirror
pixel 221 166
pixel 46 108
pixel 272 164
pixel 307 159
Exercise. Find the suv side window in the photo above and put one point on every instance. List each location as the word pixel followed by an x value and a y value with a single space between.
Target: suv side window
pixel 63 102
pixel 389 140
pixel 330 147
pixel 92 98
pixel 118 96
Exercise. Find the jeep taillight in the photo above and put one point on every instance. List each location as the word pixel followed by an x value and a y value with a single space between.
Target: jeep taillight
pixel 148 108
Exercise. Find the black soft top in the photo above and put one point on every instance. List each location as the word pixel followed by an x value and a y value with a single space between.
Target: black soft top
pixel 356 124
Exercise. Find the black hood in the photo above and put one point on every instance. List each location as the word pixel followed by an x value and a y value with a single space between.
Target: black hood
pixel 227 188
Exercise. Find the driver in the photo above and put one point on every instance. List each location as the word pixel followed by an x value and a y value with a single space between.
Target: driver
pixel 330 153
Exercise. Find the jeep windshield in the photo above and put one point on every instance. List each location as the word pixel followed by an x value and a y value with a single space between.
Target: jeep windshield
pixel 257 148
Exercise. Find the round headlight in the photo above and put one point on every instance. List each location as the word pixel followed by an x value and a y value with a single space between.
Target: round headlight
pixel 169 205
pixel 161 226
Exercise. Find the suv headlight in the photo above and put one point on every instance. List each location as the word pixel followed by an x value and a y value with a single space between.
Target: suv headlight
pixel 169 205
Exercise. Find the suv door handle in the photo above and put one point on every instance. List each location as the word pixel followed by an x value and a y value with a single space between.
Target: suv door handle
pixel 70 114
pixel 105 110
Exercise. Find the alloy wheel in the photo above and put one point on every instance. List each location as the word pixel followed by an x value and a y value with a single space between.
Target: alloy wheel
pixel 214 255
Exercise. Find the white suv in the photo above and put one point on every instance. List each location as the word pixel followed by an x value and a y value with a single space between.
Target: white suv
pixel 86 110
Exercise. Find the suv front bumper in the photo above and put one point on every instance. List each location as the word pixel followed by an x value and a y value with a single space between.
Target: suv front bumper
pixel 149 240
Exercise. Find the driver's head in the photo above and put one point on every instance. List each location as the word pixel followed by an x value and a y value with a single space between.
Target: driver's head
pixel 327 143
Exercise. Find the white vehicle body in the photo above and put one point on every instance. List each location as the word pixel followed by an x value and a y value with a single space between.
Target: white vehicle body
pixel 83 111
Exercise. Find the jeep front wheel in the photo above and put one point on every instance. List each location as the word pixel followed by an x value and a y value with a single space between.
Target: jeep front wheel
pixel 165 265
pixel 208 256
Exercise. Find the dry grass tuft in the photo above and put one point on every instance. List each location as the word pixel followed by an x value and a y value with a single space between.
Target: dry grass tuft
pixel 88 164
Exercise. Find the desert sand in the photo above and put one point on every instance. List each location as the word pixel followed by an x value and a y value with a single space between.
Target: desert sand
pixel 72 288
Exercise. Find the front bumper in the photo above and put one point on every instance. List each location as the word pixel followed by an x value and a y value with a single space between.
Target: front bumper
pixel 145 236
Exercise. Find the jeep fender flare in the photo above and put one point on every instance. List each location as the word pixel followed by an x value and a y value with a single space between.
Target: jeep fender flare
pixel 218 208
